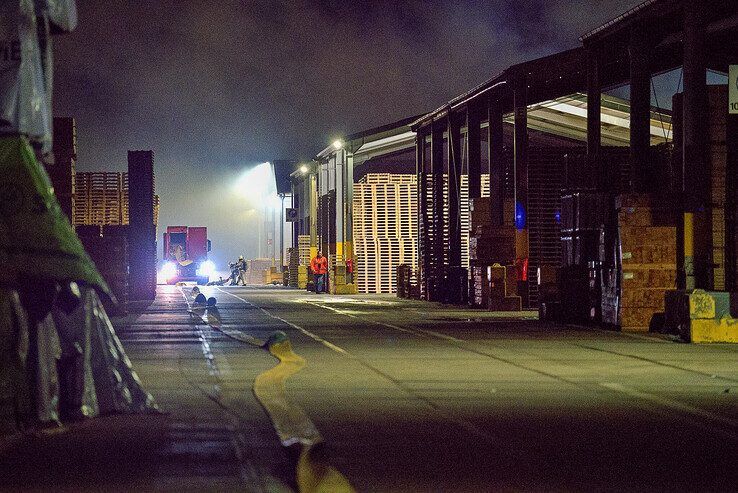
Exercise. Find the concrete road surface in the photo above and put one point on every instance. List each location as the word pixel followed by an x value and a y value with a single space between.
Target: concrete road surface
pixel 412 396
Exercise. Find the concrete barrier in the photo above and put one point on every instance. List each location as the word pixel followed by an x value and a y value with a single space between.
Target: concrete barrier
pixel 702 316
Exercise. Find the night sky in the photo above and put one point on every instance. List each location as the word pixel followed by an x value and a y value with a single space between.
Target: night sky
pixel 216 87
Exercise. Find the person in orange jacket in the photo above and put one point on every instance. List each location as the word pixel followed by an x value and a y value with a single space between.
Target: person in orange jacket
pixel 319 266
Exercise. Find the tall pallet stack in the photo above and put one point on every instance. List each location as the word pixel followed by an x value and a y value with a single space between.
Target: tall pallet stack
pixel 303 247
pixel 303 259
pixel 293 263
pixel 648 238
pixel 385 229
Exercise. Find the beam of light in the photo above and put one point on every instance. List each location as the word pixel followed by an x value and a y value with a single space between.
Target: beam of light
pixel 274 201
pixel 257 183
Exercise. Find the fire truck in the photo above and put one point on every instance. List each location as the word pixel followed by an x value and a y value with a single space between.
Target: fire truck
pixel 186 255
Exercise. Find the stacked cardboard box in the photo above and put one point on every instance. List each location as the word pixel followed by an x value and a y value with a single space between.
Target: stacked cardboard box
pixel 258 271
pixel 490 245
pixel 648 248
pixel 503 288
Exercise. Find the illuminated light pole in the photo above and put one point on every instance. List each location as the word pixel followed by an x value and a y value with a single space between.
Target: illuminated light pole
pixel 281 233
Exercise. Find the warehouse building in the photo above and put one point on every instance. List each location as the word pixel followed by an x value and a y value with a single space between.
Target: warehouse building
pixel 635 221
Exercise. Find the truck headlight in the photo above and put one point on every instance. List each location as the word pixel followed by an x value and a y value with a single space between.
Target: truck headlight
pixel 168 270
pixel 207 269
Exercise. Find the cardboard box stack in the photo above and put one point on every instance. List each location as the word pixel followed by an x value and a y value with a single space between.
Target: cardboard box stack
pixel 648 246
pixel 490 249
pixel 503 289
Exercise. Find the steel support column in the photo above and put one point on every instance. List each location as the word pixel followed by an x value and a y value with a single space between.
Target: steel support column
pixel 696 175
pixel 348 214
pixel 522 246
pixel 474 151
pixel 141 230
pixel 521 154
pixel 436 250
pixel 640 109
pixel 495 140
pixel 594 118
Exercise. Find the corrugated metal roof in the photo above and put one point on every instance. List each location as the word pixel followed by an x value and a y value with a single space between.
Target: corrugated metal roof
pixel 622 17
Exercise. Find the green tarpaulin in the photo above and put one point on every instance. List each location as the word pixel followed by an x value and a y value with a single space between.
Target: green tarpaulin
pixel 36 238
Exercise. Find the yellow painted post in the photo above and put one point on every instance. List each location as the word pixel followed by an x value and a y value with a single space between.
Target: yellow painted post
pixel 689 250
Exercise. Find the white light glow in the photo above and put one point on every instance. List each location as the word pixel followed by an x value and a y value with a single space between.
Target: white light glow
pixel 168 271
pixel 304 169
pixel 275 202
pixel 257 182
pixel 207 269
pixel 337 144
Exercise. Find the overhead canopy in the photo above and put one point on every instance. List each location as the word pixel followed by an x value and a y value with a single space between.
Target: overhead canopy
pixel 567 117
pixel 563 74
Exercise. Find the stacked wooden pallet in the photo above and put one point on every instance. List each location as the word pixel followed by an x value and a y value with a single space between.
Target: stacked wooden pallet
pixel 385 229
pixel 102 198
pixel 99 198
pixel 293 262
pixel 378 259
pixel 648 245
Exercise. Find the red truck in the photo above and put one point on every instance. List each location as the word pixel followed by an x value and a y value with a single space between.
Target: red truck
pixel 186 255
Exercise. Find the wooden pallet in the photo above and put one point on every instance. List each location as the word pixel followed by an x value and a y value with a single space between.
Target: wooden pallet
pixel 101 198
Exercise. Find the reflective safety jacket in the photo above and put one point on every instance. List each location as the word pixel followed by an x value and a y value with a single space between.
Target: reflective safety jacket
pixel 319 265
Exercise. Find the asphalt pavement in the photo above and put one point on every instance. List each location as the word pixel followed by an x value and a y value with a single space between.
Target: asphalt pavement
pixel 400 395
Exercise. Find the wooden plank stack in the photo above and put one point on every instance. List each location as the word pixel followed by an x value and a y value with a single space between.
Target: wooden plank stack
pixel 649 267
